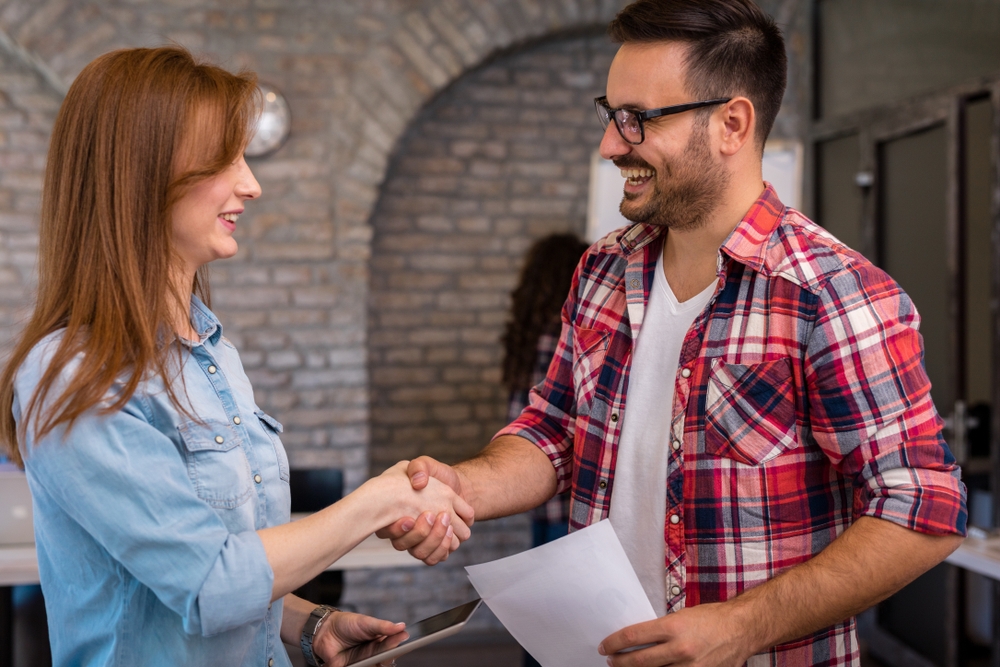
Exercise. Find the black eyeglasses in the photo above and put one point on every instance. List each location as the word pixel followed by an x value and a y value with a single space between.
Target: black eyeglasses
pixel 630 123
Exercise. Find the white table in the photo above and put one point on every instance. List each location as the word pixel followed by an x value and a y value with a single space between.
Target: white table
pixel 981 555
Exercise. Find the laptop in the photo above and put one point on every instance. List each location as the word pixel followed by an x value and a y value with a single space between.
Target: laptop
pixel 16 528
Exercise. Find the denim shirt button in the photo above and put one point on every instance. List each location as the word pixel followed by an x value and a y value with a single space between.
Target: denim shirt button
pixel 257 478
pixel 236 420
pixel 212 369
pixel 219 439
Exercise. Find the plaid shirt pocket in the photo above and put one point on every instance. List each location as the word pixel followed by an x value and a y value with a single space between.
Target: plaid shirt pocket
pixel 750 414
pixel 589 348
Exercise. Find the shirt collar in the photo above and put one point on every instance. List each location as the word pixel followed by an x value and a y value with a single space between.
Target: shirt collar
pixel 204 321
pixel 748 242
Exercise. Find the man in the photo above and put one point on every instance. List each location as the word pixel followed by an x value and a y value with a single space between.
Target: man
pixel 739 391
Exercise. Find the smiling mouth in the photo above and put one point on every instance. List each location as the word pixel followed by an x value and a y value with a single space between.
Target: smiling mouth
pixel 230 217
pixel 637 176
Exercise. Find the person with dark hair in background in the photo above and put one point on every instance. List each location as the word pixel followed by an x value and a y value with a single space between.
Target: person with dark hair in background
pixel 161 491
pixel 529 343
pixel 740 393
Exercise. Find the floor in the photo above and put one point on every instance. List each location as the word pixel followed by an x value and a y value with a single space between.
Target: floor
pixel 493 653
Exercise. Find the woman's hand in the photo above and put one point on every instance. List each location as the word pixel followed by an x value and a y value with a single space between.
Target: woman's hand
pixel 345 638
pixel 437 503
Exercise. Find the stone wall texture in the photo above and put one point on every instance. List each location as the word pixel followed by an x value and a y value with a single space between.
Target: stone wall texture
pixel 432 141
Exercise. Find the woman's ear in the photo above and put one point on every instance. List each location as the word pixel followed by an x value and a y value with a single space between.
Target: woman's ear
pixel 738 121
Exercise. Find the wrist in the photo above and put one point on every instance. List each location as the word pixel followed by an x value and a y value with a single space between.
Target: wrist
pixel 748 623
pixel 317 618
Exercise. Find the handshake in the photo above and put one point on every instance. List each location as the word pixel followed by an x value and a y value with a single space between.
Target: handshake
pixel 437 516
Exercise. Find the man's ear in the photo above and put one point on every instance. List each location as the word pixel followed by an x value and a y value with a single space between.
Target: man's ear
pixel 737 128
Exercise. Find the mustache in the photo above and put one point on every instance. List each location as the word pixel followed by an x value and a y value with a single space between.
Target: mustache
pixel 632 162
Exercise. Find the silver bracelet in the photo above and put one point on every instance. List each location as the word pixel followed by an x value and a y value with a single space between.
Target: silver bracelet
pixel 309 630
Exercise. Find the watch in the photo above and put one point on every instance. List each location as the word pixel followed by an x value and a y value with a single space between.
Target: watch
pixel 313 623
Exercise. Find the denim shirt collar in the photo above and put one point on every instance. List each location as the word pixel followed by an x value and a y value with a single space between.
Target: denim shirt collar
pixel 204 321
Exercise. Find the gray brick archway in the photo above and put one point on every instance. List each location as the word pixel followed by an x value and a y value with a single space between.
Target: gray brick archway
pixel 498 160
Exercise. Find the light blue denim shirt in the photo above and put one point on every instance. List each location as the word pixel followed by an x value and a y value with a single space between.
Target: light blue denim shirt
pixel 145 519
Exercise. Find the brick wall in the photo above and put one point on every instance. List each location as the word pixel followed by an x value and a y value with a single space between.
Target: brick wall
pixel 28 105
pixel 497 161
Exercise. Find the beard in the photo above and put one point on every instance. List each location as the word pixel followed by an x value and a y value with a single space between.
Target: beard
pixel 685 192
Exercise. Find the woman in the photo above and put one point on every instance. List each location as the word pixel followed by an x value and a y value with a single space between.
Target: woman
pixel 160 488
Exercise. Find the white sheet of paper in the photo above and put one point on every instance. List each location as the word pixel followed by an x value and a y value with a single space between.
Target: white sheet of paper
pixel 561 599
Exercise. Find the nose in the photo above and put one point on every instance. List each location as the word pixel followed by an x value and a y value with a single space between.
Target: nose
pixel 612 144
pixel 247 187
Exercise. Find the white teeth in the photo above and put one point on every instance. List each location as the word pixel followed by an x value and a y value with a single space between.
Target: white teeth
pixel 636 174
pixel 231 217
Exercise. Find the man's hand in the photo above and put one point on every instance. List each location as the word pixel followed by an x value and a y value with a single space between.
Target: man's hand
pixel 707 635
pixel 345 638
pixel 427 537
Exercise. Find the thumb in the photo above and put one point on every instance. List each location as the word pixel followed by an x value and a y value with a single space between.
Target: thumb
pixel 422 468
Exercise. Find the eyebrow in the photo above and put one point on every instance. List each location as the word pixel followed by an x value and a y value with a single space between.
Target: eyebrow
pixel 628 106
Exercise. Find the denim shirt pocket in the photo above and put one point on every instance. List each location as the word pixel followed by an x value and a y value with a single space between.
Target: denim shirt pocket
pixel 589 348
pixel 216 463
pixel 273 428
pixel 750 411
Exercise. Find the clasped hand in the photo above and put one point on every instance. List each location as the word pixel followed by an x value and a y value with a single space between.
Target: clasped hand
pixel 428 536
pixel 436 518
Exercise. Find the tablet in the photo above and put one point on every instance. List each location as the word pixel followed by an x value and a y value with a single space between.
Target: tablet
pixel 421 633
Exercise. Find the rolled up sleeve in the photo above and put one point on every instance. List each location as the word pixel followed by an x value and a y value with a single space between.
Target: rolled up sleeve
pixel 548 420
pixel 871 409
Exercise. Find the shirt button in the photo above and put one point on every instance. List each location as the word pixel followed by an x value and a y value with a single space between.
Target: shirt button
pixel 676 590
pixel 676 444
pixel 236 420
pixel 257 478
pixel 614 416
pixel 686 373
pixel 219 439
pixel 603 484
pixel 674 519
pixel 270 663
pixel 212 369
pixel 635 283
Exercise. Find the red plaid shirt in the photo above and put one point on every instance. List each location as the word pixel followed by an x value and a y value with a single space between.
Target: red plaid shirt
pixel 800 403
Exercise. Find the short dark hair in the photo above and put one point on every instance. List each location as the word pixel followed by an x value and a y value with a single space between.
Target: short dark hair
pixel 735 48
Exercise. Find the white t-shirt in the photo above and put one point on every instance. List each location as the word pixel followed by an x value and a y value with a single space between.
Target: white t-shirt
pixel 639 496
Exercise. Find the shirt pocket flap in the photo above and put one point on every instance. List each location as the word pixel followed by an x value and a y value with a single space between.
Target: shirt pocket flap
pixel 750 410
pixel 208 435
pixel 589 348
pixel 270 421
pixel 216 463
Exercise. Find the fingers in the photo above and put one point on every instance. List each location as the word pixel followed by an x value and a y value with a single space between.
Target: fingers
pixel 419 531
pixel 371 628
pixel 429 549
pixel 397 530
pixel 441 553
pixel 638 635
pixel 465 512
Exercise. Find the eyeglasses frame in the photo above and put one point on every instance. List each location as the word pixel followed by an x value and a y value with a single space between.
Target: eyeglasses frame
pixel 643 116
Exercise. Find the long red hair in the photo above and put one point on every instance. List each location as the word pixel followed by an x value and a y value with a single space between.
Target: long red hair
pixel 105 253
